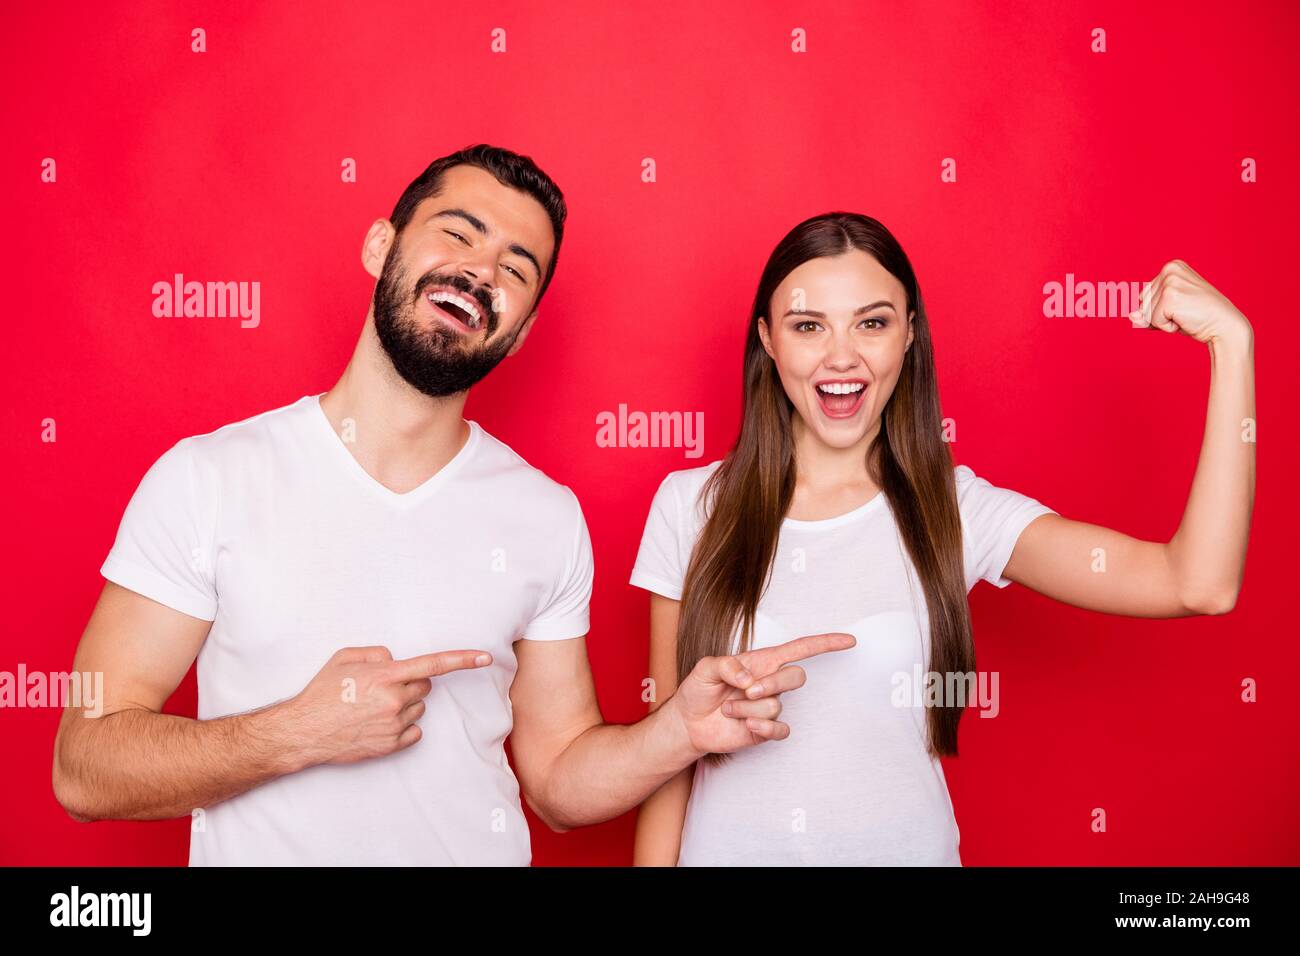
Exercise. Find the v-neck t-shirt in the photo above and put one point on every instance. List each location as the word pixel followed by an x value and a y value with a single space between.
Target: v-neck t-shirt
pixel 270 529
pixel 853 784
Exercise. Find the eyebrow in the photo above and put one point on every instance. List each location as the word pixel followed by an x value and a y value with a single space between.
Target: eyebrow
pixel 858 311
pixel 481 228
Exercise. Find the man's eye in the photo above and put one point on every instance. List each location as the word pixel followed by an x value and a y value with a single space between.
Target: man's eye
pixel 515 272
pixel 457 235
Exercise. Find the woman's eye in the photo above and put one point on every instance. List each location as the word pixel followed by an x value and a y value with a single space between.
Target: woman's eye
pixel 880 323
pixel 805 326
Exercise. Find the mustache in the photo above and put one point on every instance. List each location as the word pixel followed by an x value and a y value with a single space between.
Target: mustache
pixel 465 288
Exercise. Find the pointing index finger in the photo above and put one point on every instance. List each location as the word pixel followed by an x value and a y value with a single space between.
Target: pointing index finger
pixel 439 663
pixel 770 658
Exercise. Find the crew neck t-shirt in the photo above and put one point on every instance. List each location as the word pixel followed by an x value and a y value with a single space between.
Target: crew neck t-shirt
pixel 853 784
pixel 270 529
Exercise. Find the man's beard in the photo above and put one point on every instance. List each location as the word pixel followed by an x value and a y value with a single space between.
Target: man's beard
pixel 434 360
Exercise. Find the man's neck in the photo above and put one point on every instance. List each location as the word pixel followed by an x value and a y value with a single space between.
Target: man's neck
pixel 399 435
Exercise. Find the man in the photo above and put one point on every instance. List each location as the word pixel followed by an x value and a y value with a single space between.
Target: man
pixel 379 593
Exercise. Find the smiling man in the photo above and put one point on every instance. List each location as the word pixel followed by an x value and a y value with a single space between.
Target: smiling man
pixel 378 593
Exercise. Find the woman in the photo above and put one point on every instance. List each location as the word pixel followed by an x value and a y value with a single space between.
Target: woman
pixel 839 509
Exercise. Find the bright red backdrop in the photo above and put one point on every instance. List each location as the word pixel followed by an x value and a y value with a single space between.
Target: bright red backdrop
pixel 225 165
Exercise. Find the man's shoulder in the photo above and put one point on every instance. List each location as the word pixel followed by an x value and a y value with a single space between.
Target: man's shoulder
pixel 523 481
pixel 249 435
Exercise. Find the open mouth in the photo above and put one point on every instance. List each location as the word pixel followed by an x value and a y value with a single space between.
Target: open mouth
pixel 841 399
pixel 460 311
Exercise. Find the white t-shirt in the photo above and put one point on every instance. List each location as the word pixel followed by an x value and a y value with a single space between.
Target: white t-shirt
pixel 853 784
pixel 270 529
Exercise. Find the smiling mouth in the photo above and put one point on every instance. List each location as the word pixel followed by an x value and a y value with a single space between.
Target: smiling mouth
pixel 841 399
pixel 460 311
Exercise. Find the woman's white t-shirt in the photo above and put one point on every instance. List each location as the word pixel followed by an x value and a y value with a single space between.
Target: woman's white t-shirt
pixel 853 784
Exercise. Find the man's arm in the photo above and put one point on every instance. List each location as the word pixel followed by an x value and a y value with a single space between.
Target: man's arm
pixel 575 770
pixel 134 763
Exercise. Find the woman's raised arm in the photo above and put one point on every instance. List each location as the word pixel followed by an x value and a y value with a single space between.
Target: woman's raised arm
pixel 1199 570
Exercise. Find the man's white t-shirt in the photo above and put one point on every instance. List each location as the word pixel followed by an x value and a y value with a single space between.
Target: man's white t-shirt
pixel 270 529
pixel 853 784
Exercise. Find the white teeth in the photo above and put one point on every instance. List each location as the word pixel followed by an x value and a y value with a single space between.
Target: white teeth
pixel 841 388
pixel 475 317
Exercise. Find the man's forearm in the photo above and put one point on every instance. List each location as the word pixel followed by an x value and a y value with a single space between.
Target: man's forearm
pixel 139 765
pixel 612 768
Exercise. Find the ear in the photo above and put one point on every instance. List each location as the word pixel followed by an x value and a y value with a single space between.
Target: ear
pixel 766 337
pixel 911 331
pixel 523 333
pixel 377 245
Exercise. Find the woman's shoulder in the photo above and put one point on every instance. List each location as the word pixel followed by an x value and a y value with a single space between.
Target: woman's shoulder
pixel 967 480
pixel 974 492
pixel 690 479
pixel 681 489
pixel 978 496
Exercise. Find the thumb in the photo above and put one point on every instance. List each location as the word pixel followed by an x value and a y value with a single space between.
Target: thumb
pixel 723 670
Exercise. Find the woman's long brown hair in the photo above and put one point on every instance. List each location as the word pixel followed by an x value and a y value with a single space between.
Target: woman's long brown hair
pixel 749 494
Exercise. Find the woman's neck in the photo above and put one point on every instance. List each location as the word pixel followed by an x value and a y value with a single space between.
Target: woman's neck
pixel 829 481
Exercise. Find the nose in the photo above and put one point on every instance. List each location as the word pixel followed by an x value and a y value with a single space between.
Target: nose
pixel 478 267
pixel 840 354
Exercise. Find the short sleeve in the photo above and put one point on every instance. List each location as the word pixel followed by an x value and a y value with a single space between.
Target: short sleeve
pixel 659 563
pixel 566 613
pixel 992 520
pixel 163 548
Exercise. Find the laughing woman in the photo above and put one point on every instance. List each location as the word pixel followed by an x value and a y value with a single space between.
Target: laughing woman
pixel 839 509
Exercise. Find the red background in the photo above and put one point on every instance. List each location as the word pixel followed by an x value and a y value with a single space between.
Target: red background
pixel 225 166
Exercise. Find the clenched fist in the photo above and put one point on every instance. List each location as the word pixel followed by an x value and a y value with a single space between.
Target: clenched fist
pixel 1179 300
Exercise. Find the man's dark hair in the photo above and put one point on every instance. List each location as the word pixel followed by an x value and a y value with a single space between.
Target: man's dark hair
pixel 510 169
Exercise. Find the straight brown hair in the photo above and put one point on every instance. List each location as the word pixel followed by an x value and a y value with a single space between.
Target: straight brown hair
pixel 750 492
